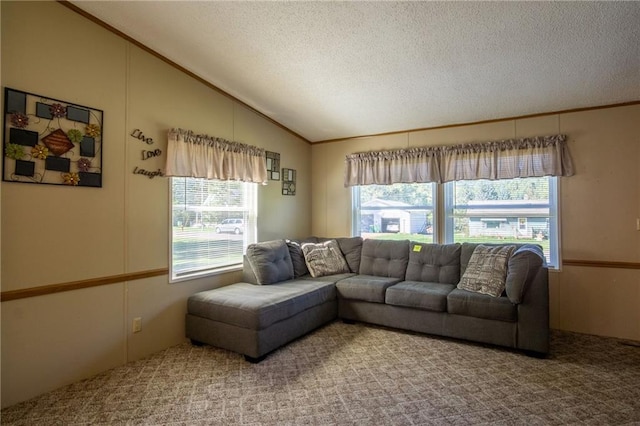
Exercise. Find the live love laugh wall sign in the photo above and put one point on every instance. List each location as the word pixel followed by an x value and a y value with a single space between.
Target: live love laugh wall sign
pixel 51 141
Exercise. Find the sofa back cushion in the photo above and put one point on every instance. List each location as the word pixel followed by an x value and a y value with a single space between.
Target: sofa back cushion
pixel 435 263
pixel 270 261
pixel 384 258
pixel 351 248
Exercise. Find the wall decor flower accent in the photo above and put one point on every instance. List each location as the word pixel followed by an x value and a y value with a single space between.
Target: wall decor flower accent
pixel 57 110
pixel 92 130
pixel 14 151
pixel 40 152
pixel 74 135
pixel 84 164
pixel 51 141
pixel 19 120
pixel 71 178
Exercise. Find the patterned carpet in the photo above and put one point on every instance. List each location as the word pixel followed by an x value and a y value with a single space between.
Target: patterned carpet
pixel 358 375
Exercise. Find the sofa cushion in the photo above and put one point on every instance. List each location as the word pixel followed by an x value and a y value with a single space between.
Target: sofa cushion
pixel 438 263
pixel 467 250
pixel 270 261
pixel 257 307
pixel 384 258
pixel 329 278
pixel 351 248
pixel 297 256
pixel 478 305
pixel 420 295
pixel 324 258
pixel 365 287
pixel 486 271
pixel 522 267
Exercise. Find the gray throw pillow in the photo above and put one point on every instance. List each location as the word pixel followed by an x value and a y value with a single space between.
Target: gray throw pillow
pixel 297 258
pixel 351 248
pixel 270 261
pixel 486 271
pixel 324 259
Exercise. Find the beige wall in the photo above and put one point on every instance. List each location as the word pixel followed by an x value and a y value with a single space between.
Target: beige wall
pixel 57 234
pixel 599 207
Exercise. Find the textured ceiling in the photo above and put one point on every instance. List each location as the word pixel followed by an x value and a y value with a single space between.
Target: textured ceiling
pixel 330 70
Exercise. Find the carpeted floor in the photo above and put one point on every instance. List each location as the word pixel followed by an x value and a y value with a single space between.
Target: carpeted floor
pixel 358 375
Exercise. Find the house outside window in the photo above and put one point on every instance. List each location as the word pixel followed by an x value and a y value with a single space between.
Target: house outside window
pixel 212 222
pixel 394 211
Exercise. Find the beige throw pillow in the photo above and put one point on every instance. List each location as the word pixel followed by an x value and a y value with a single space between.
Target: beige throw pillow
pixel 486 272
pixel 324 258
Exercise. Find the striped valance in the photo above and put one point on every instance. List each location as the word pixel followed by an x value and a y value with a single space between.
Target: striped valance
pixel 506 159
pixel 193 155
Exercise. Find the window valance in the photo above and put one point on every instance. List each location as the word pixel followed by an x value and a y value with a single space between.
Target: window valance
pixel 507 159
pixel 202 156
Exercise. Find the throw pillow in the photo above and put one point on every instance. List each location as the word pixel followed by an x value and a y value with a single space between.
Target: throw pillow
pixel 351 249
pixel 486 271
pixel 297 258
pixel 324 259
pixel 270 261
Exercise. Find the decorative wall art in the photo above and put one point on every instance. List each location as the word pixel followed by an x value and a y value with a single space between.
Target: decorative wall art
pixel 51 141
pixel 273 165
pixel 147 154
pixel 288 181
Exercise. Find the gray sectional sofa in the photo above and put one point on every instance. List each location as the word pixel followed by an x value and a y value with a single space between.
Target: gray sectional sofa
pixel 401 284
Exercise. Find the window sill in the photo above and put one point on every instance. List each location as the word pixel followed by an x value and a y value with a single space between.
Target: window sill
pixel 207 273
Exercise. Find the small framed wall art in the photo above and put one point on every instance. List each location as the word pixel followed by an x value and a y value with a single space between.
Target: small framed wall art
pixel 51 141
pixel 288 181
pixel 273 165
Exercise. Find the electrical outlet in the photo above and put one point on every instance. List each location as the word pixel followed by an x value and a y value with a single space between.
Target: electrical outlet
pixel 137 325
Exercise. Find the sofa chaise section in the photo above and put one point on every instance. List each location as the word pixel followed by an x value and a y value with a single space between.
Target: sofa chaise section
pixel 278 303
pixel 254 320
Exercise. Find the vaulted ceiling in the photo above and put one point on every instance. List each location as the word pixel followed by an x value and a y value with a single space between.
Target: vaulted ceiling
pixel 329 70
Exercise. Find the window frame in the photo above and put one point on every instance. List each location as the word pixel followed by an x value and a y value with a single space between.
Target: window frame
pixel 443 221
pixel 249 235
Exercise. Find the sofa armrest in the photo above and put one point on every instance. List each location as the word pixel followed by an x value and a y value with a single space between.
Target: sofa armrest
pixel 523 266
pixel 247 272
pixel 533 314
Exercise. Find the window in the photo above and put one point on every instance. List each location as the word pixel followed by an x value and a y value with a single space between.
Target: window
pixel 394 211
pixel 520 210
pixel 522 223
pixel 498 211
pixel 212 223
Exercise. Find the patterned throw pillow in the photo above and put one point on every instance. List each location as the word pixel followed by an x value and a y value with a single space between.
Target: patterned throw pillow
pixel 324 259
pixel 486 272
